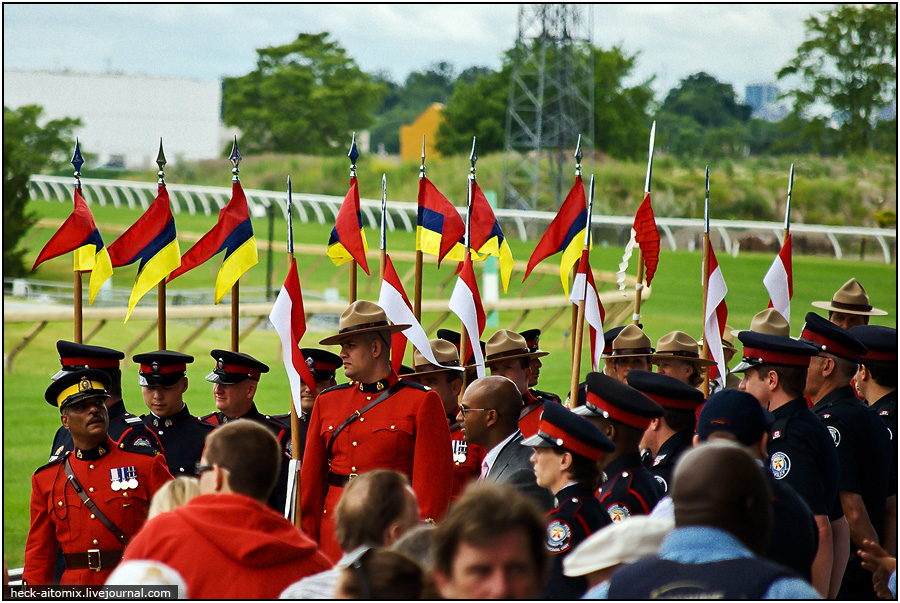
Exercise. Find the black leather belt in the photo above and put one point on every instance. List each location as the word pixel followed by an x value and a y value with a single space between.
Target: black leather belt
pixel 94 559
pixel 339 481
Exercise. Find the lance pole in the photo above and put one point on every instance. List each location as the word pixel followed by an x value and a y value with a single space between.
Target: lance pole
pixel 787 208
pixel 77 162
pixel 353 155
pixel 579 331
pixel 235 291
pixel 636 318
pixel 161 287
pixel 295 419
pixel 383 242
pixel 417 294
pixel 705 351
pixel 463 338
pixel 578 156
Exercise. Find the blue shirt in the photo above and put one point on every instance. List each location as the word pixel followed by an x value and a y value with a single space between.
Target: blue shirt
pixel 704 544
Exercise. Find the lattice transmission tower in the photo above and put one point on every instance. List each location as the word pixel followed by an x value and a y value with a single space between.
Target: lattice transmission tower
pixel 551 103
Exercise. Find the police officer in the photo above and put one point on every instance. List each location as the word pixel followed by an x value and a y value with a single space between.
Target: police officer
pixel 123 426
pixel 235 380
pixel 876 382
pixel 670 435
pixel 446 382
pixel 376 421
pixel 323 365
pixel 631 349
pixel 849 306
pixel 532 340
pixel 91 500
pixel 801 452
pixel 623 414
pixel 163 380
pixel 507 355
pixel 567 449
pixel 862 443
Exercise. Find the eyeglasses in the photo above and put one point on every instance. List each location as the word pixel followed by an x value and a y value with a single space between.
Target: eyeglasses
pixel 464 410
pixel 361 573
pixel 201 469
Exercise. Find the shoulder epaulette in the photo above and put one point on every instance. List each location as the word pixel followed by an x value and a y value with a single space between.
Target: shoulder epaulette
pixel 52 462
pixel 130 418
pixel 211 415
pixel 337 387
pixel 415 385
pixel 204 423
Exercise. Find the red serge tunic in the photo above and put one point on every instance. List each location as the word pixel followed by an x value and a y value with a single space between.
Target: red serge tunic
pixel 58 515
pixel 228 546
pixel 407 432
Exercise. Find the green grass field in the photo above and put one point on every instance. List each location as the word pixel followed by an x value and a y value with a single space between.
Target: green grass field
pixel 675 303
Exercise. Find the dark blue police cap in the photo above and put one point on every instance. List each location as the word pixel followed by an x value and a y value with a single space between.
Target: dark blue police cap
pixel 532 339
pixel 880 341
pixel 668 392
pixel 322 363
pixel 161 368
pixel 736 412
pixel 762 348
pixel 74 386
pixel 74 356
pixel 562 428
pixel 234 367
pixel 612 399
pixel 827 337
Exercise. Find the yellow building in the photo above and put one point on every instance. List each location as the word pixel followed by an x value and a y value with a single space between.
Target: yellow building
pixel 426 124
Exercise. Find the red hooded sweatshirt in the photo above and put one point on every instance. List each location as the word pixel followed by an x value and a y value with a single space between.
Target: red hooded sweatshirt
pixel 228 546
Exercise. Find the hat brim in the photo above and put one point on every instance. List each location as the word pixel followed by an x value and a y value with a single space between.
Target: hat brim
pixel 584 411
pixel 159 380
pixel 82 396
pixel 743 366
pixel 616 356
pixel 226 379
pixel 655 358
pixel 827 305
pixel 337 339
pixel 447 369
pixel 537 441
pixel 530 355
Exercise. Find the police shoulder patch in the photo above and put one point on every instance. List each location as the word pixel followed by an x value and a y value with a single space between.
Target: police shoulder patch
pixel 618 512
pixel 141 441
pixel 780 465
pixel 835 435
pixel 662 482
pixel 659 458
pixel 559 536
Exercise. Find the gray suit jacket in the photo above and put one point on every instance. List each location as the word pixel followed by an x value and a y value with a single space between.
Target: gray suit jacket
pixel 513 466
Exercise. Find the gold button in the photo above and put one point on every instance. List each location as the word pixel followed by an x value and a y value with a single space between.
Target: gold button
pixel 92 516
pixel 324 511
pixel 354 443
pixel 368 397
pixel 121 445
pixel 90 489
pixel 96 542
pixel 392 426
pixel 91 466
pixel 353 469
pixel 124 494
pixel 361 419
pixel 59 503
pixel 330 427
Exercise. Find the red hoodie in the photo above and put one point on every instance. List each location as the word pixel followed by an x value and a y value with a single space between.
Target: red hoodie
pixel 228 546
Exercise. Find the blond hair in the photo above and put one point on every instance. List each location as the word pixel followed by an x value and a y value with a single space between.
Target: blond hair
pixel 173 494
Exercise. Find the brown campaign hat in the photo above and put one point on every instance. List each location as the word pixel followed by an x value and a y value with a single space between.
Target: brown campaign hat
pixel 361 317
pixel 769 322
pixel 850 299
pixel 505 344
pixel 631 341
pixel 680 346
pixel 444 352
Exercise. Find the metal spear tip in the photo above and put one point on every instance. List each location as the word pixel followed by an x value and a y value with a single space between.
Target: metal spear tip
pixel 472 156
pixel 354 153
pixel 161 157
pixel 77 159
pixel 235 156
pixel 423 149
pixel 578 153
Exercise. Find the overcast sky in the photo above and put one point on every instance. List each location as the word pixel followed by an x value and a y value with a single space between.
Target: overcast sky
pixel 736 43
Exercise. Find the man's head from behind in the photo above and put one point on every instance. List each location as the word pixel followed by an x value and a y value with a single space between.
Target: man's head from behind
pixel 375 509
pixel 244 457
pixel 720 485
pixel 490 546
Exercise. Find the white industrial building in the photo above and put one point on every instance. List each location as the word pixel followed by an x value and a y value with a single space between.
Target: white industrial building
pixel 124 116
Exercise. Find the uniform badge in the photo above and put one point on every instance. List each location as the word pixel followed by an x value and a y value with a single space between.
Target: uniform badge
pixel 154 367
pixel 142 442
pixel 835 435
pixel 662 483
pixel 780 465
pixel 311 364
pixel 559 537
pixel 826 416
pixel 123 478
pixel 884 413
pixel 776 434
pixel 460 450
pixel 659 459
pixel 618 512
pixel 85 384
pixel 289 449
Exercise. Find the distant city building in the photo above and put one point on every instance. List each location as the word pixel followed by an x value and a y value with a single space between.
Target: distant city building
pixel 426 124
pixel 124 116
pixel 763 99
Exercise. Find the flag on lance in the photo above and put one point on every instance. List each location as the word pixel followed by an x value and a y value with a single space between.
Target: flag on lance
pixel 289 320
pixel 716 315
pixel 465 302
pixel 594 313
pixel 779 281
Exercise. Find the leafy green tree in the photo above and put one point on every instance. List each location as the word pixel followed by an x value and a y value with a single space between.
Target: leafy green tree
pixel 621 115
pixel 302 97
pixel 849 63
pixel 476 109
pixel 28 148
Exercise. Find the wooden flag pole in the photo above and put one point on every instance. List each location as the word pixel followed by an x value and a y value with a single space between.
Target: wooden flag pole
pixel 161 287
pixel 637 289
pixel 579 325
pixel 295 418
pixel 705 351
